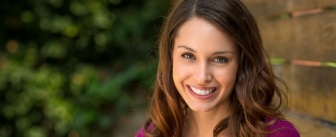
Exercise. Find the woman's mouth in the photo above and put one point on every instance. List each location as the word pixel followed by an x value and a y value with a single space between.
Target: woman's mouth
pixel 202 92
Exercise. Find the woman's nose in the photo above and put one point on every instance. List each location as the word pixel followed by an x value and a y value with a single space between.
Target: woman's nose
pixel 202 74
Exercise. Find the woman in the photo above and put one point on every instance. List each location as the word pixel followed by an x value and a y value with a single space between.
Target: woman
pixel 213 77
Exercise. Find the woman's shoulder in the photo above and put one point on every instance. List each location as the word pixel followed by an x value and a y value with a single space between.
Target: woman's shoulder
pixel 140 133
pixel 282 128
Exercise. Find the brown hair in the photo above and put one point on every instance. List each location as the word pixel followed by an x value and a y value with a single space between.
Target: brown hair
pixel 255 90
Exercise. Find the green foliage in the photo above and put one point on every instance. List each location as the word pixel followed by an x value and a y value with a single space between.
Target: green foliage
pixel 71 67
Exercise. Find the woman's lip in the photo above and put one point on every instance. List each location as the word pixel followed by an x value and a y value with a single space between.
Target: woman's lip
pixel 202 95
pixel 201 88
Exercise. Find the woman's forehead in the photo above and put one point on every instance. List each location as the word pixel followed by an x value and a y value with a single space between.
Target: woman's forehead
pixel 198 32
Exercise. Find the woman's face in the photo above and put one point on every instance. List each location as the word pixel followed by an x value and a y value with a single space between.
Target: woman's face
pixel 205 63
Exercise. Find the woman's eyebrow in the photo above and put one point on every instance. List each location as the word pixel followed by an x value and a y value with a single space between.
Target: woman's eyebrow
pixel 217 52
pixel 187 48
pixel 223 52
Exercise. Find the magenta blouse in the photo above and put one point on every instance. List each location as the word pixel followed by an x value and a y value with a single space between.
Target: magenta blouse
pixel 281 128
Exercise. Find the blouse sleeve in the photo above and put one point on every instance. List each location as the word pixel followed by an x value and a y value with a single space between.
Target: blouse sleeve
pixel 283 128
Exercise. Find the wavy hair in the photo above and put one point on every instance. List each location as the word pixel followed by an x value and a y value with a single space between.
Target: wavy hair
pixel 255 91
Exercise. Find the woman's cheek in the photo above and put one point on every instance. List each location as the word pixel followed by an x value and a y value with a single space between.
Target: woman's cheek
pixel 181 68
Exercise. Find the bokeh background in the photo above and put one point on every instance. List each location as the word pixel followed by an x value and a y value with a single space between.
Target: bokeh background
pixel 71 68
pixel 85 68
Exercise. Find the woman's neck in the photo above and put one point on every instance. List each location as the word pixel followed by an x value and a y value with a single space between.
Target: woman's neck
pixel 202 124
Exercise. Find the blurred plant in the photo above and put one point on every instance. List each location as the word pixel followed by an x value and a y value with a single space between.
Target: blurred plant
pixel 71 67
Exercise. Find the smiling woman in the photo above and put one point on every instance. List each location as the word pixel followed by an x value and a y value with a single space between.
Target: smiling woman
pixel 214 78
pixel 205 68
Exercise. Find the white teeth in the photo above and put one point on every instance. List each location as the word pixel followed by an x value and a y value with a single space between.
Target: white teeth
pixel 202 92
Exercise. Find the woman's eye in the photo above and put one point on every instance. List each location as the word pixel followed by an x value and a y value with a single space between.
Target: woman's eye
pixel 188 56
pixel 221 59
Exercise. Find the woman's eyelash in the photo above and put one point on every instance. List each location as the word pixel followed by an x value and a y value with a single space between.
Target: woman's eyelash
pixel 218 59
pixel 221 59
pixel 188 55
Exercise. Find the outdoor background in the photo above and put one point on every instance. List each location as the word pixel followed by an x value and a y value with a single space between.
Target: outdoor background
pixel 85 68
